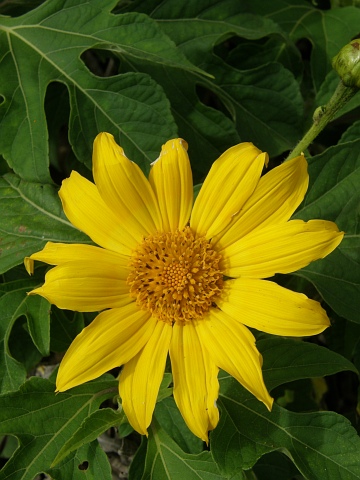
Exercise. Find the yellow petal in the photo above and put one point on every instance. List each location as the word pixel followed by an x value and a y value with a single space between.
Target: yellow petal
pixel 87 287
pixel 124 188
pixel 141 377
pixel 266 306
pixel 58 253
pixel 85 209
pixel 228 185
pixel 196 386
pixel 111 340
pixel 232 348
pixel 282 248
pixel 274 200
pixel 171 180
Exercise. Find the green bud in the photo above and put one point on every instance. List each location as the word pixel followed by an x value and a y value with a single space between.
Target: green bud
pixel 347 64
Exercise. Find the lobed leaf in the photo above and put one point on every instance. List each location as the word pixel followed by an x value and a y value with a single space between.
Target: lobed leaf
pixel 131 106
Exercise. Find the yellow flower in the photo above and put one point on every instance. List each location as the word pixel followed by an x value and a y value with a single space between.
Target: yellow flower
pixel 170 276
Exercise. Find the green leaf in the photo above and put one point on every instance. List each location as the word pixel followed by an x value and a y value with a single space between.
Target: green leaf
pixel 199 27
pixel 275 466
pixel 88 463
pixel 286 360
pixel 65 326
pixel 316 442
pixel 207 131
pixel 169 418
pixel 328 30
pixel 277 48
pixel 264 103
pixel 352 133
pixel 31 215
pixel 267 104
pixel 333 195
pixel 43 421
pixel 13 304
pixel 93 426
pixel 166 460
pixel 45 45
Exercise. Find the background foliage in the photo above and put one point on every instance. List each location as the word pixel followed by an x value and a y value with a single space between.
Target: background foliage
pixel 214 72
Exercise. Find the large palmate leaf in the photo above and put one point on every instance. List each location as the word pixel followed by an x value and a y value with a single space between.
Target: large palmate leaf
pixel 44 46
pixel 334 195
pixel 43 421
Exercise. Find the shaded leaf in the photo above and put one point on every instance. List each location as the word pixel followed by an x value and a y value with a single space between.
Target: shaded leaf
pixel 43 421
pixel 264 103
pixel 92 427
pixel 169 418
pixel 13 304
pixel 333 195
pixel 166 460
pixel 275 466
pixel 286 360
pixel 317 442
pixel 328 30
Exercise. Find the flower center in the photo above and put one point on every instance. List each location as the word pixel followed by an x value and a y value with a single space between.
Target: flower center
pixel 175 275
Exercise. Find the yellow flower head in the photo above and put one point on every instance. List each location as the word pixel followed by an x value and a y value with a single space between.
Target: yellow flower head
pixel 175 277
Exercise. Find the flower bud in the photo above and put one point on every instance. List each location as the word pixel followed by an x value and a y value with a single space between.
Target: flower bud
pixel 347 64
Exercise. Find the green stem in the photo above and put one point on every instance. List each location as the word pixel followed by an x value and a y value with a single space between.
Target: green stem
pixel 323 115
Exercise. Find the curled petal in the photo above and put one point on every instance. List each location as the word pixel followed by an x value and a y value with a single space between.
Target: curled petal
pixel 87 287
pixel 59 253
